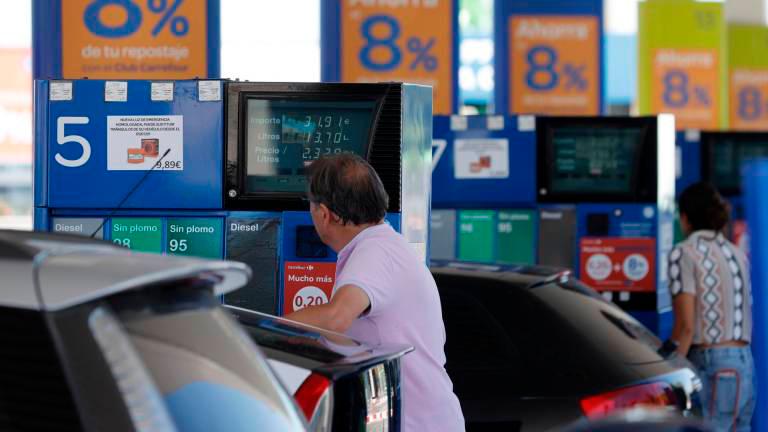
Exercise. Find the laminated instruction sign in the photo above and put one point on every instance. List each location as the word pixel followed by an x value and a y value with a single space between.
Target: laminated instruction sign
pixel 748 73
pixel 481 158
pixel 127 39
pixel 138 143
pixel 682 61
pixel 379 41
pixel 554 64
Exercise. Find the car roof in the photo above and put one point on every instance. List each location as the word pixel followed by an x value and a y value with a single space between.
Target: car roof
pixel 522 275
pixel 45 271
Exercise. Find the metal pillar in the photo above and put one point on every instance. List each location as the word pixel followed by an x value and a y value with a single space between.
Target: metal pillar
pixel 756 188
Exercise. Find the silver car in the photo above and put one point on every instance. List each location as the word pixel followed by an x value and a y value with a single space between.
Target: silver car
pixel 94 337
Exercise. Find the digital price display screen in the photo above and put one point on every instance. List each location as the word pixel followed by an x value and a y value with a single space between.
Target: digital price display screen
pixel 284 137
pixel 601 160
pixel 729 152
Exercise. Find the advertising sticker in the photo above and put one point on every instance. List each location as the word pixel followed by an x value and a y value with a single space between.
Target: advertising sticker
pixel 619 264
pixel 307 284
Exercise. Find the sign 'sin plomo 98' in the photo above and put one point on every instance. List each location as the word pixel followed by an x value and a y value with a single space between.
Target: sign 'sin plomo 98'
pixel 134 39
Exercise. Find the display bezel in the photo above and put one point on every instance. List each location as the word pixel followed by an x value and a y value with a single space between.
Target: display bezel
pixel 643 184
pixel 708 141
pixel 237 162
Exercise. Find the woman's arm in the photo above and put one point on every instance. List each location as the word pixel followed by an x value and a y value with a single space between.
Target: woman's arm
pixel 682 332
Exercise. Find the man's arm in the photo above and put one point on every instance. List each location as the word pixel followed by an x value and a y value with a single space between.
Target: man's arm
pixel 345 307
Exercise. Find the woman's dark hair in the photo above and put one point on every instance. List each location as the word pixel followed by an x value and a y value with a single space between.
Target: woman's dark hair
pixel 349 187
pixel 704 207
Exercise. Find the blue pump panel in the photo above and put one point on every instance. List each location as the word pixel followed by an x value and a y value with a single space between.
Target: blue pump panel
pixel 641 224
pixel 484 162
pixel 141 164
pixel 622 220
pixel 623 217
pixel 96 140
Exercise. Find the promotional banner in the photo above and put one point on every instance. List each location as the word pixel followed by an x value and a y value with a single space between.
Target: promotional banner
pixel 748 71
pixel 555 65
pixel 307 284
pixel 126 39
pixel 618 264
pixel 15 107
pixel 682 62
pixel 417 42
pixel 548 57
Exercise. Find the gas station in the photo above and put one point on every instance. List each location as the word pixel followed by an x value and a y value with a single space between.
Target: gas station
pixel 546 210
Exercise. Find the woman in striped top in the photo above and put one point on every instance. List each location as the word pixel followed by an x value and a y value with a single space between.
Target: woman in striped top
pixel 712 298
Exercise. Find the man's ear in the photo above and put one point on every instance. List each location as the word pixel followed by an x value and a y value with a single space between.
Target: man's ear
pixel 325 213
pixel 328 216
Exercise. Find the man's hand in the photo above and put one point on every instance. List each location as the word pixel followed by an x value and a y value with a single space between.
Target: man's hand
pixel 345 307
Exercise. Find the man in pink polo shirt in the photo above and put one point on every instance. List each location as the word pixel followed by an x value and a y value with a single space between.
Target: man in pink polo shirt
pixel 384 293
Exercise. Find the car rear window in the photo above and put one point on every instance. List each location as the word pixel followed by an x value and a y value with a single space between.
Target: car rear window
pixel 502 334
pixel 34 394
pixel 207 369
pixel 608 328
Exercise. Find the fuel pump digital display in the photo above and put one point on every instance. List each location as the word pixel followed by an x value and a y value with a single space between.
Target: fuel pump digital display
pixel 599 160
pixel 285 136
pixel 726 152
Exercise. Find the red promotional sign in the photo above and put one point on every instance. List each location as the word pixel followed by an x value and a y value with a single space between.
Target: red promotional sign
pixel 618 264
pixel 307 284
